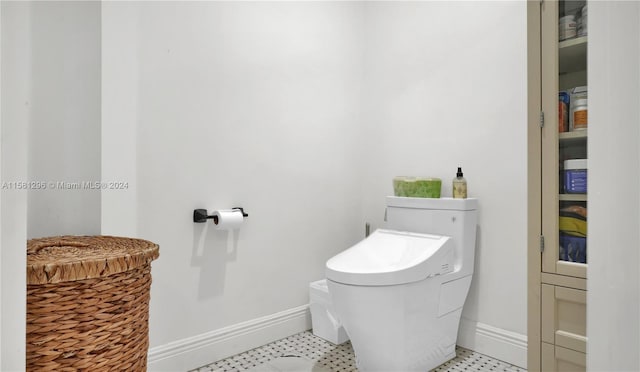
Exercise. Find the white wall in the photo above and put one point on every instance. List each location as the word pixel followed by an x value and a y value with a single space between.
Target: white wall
pixel 445 87
pixel 613 297
pixel 14 122
pixel 1 335
pixel 233 77
pixel 308 110
pixel 238 104
pixel 255 106
pixel 302 113
pixel 64 125
pixel 119 92
pixel 50 132
pixel 1 319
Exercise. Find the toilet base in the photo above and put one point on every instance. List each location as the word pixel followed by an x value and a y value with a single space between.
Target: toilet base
pixel 434 363
pixel 401 327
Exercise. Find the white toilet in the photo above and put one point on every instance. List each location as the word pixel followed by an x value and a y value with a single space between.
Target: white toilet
pixel 399 293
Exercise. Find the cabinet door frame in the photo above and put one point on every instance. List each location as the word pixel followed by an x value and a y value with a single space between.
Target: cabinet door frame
pixel 534 202
pixel 549 134
pixel 549 147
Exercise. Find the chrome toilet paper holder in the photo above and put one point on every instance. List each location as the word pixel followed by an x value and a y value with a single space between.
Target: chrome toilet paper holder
pixel 201 215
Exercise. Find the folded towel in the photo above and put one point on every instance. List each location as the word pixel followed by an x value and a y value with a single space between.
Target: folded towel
pixel 571 223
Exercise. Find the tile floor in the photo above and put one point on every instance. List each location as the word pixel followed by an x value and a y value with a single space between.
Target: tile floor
pixel 340 358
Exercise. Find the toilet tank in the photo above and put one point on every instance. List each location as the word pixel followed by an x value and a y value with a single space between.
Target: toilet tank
pixel 455 218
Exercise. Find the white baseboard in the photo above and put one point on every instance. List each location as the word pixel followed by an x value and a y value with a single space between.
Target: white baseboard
pixel 199 350
pixel 495 342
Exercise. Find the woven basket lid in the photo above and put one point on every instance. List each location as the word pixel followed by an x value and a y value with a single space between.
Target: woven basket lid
pixel 69 258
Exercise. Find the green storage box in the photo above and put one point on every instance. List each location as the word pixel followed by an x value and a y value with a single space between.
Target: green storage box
pixel 417 187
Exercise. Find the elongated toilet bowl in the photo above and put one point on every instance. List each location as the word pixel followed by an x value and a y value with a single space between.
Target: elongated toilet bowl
pixel 392 294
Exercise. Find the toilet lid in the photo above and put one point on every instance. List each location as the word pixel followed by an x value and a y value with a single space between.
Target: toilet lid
pixel 389 257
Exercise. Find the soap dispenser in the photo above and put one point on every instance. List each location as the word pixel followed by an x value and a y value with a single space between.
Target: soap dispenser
pixel 459 186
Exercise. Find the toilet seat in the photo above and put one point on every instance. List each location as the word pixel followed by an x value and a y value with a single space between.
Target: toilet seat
pixel 390 257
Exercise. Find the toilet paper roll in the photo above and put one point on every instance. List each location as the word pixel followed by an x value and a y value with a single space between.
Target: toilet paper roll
pixel 228 219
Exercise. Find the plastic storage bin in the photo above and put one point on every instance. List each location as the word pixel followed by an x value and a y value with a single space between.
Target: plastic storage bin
pixel 323 319
pixel 575 176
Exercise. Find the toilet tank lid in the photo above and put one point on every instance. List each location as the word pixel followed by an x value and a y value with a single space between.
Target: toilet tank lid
pixel 468 204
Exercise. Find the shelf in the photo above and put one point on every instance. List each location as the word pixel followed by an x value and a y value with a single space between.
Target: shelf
pixel 573 55
pixel 573 136
pixel 572 197
pixel 578 270
pixel 570 43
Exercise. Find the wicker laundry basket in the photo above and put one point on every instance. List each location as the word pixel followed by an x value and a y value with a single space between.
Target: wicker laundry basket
pixel 88 303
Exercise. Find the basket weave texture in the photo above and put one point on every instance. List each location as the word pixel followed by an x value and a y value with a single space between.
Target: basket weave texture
pixel 88 303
